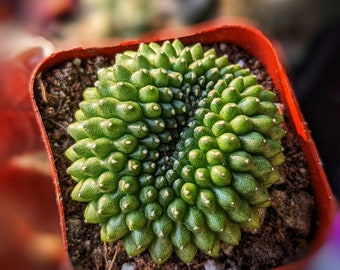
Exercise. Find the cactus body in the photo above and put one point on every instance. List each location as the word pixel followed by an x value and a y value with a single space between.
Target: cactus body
pixel 175 150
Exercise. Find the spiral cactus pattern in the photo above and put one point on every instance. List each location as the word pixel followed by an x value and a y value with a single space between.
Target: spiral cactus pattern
pixel 174 150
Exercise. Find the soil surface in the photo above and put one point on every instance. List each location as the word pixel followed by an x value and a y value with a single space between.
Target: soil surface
pixel 287 225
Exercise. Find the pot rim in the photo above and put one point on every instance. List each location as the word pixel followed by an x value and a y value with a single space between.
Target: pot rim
pixel 261 48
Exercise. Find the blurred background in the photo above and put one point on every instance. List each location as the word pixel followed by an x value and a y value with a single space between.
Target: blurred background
pixel 306 33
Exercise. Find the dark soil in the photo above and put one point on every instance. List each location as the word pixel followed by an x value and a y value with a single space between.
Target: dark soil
pixel 288 225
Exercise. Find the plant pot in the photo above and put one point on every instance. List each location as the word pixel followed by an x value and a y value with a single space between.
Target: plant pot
pixel 251 41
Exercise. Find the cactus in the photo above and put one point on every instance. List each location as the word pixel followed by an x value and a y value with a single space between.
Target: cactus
pixel 175 150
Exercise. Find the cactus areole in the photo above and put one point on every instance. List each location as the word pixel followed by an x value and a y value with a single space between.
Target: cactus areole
pixel 174 150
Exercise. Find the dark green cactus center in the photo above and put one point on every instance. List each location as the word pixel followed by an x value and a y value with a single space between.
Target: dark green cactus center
pixel 175 150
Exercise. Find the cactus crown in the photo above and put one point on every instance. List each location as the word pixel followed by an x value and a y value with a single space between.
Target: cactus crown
pixel 175 150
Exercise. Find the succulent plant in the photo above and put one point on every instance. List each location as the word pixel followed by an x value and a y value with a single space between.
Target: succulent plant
pixel 175 150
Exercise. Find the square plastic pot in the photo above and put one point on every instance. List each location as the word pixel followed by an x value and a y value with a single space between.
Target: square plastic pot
pixel 256 44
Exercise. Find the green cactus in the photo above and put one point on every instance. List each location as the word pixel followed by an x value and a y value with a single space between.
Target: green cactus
pixel 175 150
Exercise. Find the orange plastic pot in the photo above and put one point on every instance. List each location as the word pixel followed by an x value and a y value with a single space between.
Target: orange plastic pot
pixel 255 43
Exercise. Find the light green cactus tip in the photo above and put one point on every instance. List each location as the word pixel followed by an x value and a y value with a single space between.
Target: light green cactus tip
pixel 175 150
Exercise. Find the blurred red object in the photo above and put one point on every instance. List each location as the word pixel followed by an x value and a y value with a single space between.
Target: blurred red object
pixel 29 230
pixel 37 16
pixel 30 236
pixel 20 132
pixel 15 75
